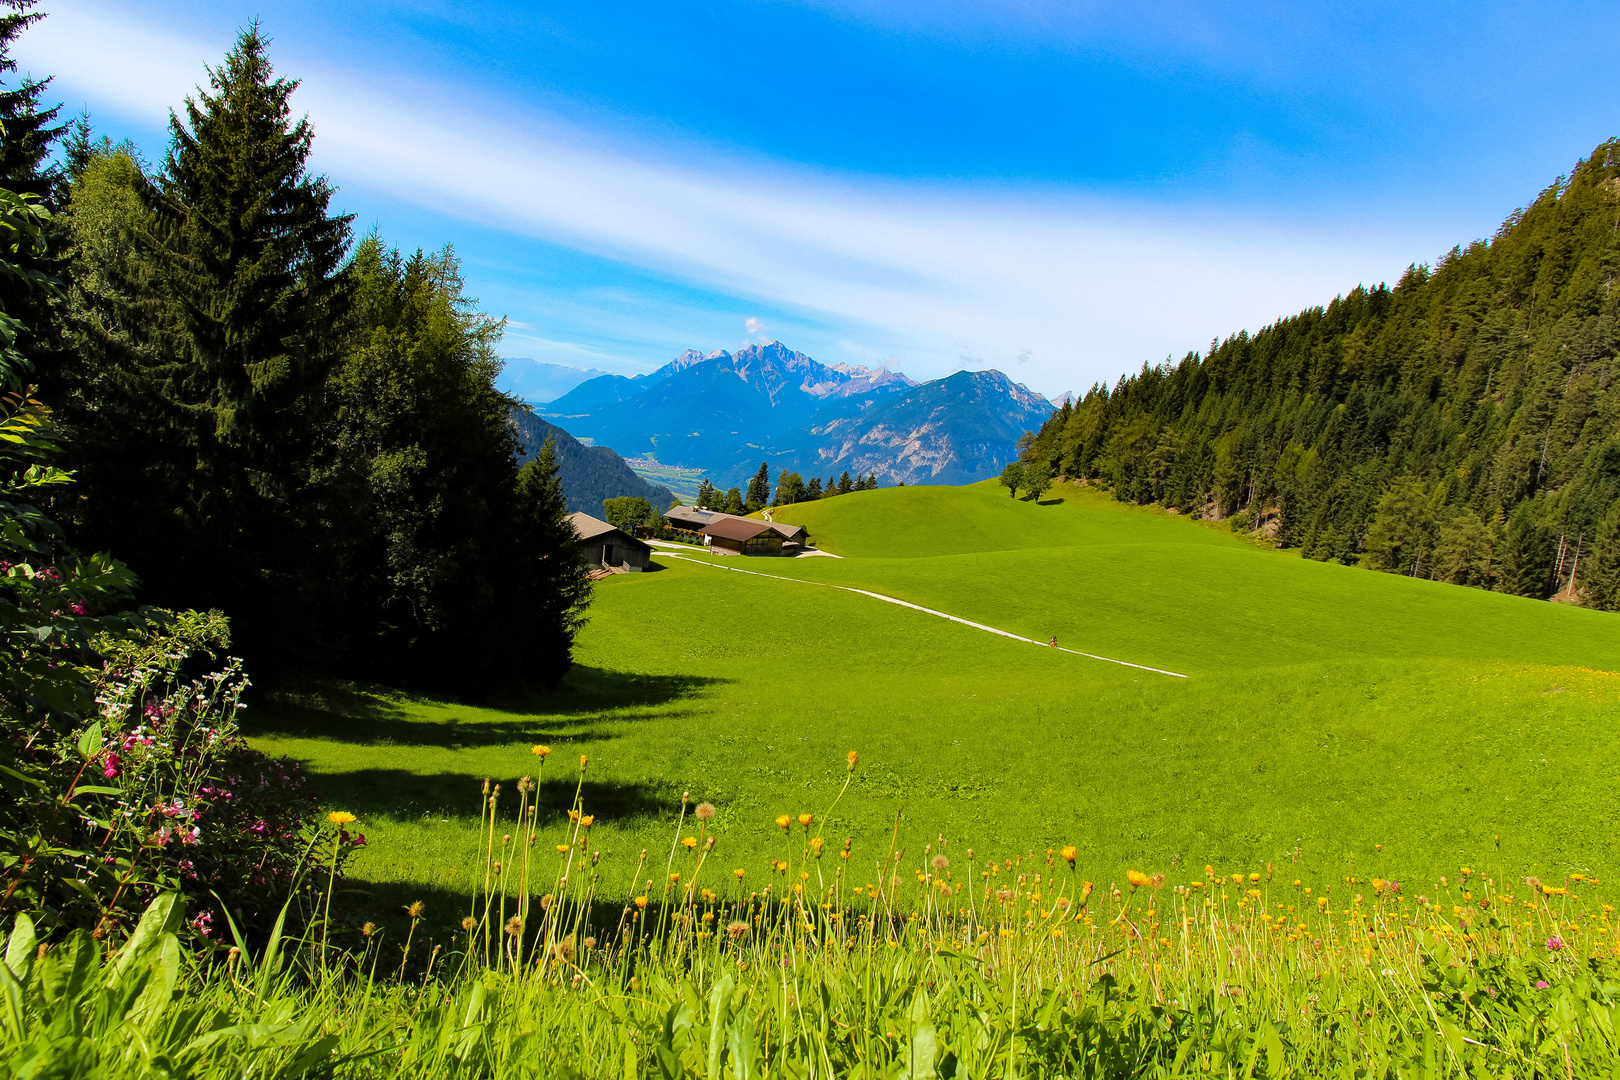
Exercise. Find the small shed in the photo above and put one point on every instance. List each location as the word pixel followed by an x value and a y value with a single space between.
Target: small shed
pixel 603 544
pixel 744 537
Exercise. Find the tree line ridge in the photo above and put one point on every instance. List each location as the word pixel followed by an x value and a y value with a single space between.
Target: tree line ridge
pixel 1462 426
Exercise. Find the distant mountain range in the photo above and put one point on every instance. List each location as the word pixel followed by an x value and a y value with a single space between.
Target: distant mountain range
pixel 726 412
pixel 589 473
pixel 537 382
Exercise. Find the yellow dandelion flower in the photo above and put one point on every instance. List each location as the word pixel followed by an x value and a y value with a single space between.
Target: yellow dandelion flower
pixel 588 820
pixel 540 751
pixel 852 758
pixel 562 849
pixel 1069 854
pixel 805 819
pixel 641 901
pixel 675 876
pixel 1136 878
pixel 783 821
pixel 340 817
pixel 689 843
pixel 739 872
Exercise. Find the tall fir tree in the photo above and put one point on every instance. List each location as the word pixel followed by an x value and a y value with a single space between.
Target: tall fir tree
pixel 206 465
pixel 759 489
pixel 30 131
pixel 552 589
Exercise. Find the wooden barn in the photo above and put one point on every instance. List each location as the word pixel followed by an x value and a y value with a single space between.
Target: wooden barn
pixel 602 544
pixel 743 536
pixel 695 519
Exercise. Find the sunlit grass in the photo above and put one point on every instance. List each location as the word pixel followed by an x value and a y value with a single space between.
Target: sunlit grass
pixel 1318 741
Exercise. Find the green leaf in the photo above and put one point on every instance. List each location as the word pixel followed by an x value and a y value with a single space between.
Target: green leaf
pixel 719 1005
pixel 20 947
pixel 162 916
pixel 90 741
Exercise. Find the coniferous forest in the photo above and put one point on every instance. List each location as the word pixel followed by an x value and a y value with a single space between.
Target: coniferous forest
pixel 269 416
pixel 1462 426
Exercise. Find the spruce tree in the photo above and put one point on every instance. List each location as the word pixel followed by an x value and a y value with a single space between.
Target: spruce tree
pixel 29 131
pixel 705 495
pixel 552 589
pixel 845 484
pixel 759 489
pixel 204 452
pixel 813 491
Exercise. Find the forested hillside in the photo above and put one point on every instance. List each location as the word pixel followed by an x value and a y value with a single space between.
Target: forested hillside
pixel 1460 426
pixel 589 474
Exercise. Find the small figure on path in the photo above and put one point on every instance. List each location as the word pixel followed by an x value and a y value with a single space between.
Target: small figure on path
pixel 1054 641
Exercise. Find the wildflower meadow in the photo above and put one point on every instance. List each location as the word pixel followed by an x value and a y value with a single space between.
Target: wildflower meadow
pixel 942 961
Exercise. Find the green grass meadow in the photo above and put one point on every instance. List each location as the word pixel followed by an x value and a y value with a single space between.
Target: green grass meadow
pixel 1329 710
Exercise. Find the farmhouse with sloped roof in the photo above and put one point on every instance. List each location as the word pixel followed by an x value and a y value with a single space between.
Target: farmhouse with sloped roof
pixel 608 546
pixel 695 519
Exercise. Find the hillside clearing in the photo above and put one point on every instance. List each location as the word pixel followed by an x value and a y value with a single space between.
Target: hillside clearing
pixel 1332 710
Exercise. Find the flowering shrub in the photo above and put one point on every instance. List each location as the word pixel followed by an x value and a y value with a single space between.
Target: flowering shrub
pixel 160 793
pixel 120 775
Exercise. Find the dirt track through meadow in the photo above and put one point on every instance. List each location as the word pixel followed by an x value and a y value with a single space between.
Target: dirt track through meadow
pixel 927 611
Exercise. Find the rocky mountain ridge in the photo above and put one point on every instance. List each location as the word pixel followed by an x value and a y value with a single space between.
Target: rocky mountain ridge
pixel 724 412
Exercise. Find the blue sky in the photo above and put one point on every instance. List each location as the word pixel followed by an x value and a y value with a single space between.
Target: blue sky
pixel 1060 190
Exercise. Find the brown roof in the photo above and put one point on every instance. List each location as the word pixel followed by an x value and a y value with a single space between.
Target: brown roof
pixel 736 528
pixel 589 528
pixel 691 515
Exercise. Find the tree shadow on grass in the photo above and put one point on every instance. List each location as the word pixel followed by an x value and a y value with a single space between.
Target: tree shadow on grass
pixel 588 700
pixel 456 795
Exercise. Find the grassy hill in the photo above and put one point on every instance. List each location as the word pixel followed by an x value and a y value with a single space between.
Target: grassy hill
pixel 1329 710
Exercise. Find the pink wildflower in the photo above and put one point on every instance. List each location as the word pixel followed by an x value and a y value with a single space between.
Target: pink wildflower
pixel 1555 944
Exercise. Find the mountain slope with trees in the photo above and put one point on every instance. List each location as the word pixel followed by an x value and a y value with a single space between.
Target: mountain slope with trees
pixel 589 474
pixel 1464 425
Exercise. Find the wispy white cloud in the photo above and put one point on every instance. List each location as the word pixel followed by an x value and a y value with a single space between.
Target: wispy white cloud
pixel 1069 286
